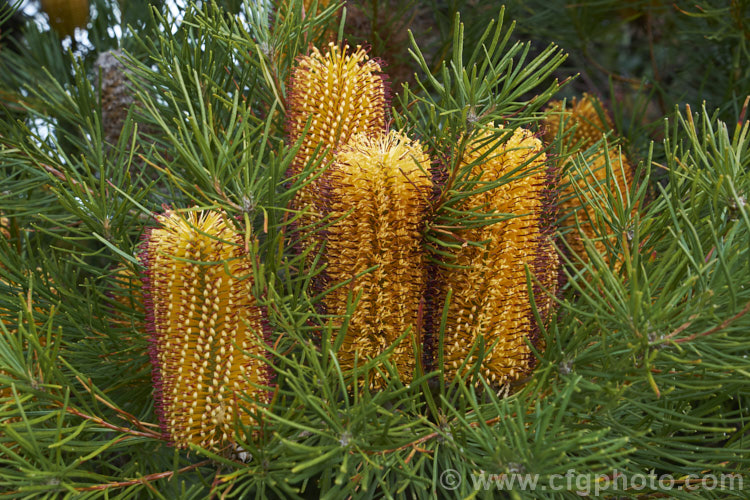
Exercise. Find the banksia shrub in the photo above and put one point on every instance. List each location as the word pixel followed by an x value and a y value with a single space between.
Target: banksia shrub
pixel 413 273
pixel 487 275
pixel 205 327
pixel 586 121
pixel 341 93
pixel 377 195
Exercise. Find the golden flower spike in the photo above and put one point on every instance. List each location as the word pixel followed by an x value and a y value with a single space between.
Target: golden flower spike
pixel 341 93
pixel 204 324
pixel 66 15
pixel 588 117
pixel 377 197
pixel 490 299
pixel 590 125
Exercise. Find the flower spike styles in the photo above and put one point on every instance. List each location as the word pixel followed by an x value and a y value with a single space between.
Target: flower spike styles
pixel 341 93
pixel 204 322
pixel 490 300
pixel 588 116
pixel 591 123
pixel 377 195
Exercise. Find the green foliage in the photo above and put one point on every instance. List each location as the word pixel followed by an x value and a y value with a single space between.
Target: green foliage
pixel 646 366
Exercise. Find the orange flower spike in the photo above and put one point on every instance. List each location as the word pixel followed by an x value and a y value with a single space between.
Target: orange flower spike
pixel 66 15
pixel 342 93
pixel 490 296
pixel 204 322
pixel 590 125
pixel 378 194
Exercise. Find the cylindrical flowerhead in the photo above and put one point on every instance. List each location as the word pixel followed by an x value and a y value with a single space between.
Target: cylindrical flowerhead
pixel 10 319
pixel 307 5
pixel 588 116
pixel 377 193
pixel 66 15
pixel 207 329
pixel 5 227
pixel 341 93
pixel 591 122
pixel 490 299
pixel 322 4
pixel 582 191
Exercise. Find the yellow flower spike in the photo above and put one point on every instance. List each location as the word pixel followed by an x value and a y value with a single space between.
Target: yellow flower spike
pixel 571 205
pixel 490 299
pixel 204 323
pixel 590 125
pixel 66 15
pixel 322 4
pixel 342 93
pixel 377 192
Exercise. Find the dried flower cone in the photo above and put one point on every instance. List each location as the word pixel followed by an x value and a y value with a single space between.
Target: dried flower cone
pixel 66 15
pixel 5 227
pixel 383 183
pixel 490 299
pixel 204 324
pixel 342 93
pixel 590 125
pixel 116 97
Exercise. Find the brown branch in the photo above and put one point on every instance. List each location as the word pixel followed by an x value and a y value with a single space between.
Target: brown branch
pixel 124 430
pixel 715 329
pixel 682 327
pixel 121 413
pixel 144 479
pixel 427 437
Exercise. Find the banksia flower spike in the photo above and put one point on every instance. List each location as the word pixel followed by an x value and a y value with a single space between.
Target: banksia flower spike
pixel 591 122
pixel 204 324
pixel 377 193
pixel 66 15
pixel 490 299
pixel 588 116
pixel 5 227
pixel 322 4
pixel 341 93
